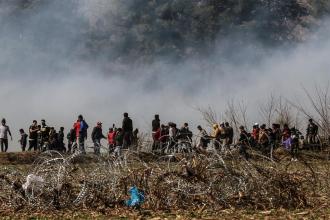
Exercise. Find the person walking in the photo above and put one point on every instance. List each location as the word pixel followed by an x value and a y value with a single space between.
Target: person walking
pixel 60 138
pixel 312 131
pixel 23 139
pixel 33 136
pixel 155 128
pixel 80 128
pixel 203 138
pixel 4 131
pixel 229 134
pixel 45 130
pixel 97 135
pixel 243 142
pixel 216 135
pixel 127 127
pixel 119 138
pixel 71 138
pixel 111 140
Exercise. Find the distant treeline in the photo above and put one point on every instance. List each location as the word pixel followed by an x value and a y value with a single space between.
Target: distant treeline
pixel 180 28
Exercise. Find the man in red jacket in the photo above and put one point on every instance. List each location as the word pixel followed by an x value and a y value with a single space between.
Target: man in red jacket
pixel 80 128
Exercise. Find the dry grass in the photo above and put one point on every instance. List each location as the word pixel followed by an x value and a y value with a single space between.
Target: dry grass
pixel 179 187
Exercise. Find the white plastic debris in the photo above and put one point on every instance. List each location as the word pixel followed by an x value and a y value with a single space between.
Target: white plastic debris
pixel 33 180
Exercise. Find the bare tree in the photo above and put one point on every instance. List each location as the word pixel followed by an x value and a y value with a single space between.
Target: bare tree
pixel 209 115
pixel 268 109
pixel 319 101
pixel 284 114
pixel 236 113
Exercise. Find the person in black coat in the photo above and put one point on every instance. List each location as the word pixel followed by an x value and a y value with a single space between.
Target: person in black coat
pixel 97 135
pixel 127 128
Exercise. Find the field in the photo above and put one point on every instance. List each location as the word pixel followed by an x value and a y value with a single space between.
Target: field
pixel 207 185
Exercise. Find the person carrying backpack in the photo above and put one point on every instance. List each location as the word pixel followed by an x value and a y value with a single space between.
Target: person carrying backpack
pixel 80 128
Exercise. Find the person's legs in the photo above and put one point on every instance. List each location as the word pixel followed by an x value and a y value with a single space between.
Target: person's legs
pixel 81 144
pixel 242 151
pixel 34 144
pixel 127 140
pixel 97 145
pixel 2 145
pixel 6 144
pixel 23 147
pixel 216 144
pixel 111 148
pixel 313 139
pixel 309 139
pixel 69 146
pixel 117 151
pixel 294 151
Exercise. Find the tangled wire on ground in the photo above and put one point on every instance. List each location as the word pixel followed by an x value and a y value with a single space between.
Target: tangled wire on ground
pixel 213 179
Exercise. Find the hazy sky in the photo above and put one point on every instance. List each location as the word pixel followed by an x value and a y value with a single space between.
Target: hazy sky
pixel 42 77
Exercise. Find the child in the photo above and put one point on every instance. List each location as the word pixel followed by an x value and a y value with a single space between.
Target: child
pixel 119 142
pixel 111 140
pixel 23 140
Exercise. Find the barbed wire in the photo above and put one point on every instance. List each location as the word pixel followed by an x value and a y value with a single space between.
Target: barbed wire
pixel 176 179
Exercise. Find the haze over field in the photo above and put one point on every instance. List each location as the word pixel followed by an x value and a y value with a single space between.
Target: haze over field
pixel 101 58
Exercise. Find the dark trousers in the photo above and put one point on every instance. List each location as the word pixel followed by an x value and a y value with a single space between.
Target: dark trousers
pixel 294 150
pixel 81 143
pixel 128 136
pixel 69 146
pixel 111 148
pixel 97 146
pixel 4 144
pixel 33 144
pixel 23 146
pixel 243 152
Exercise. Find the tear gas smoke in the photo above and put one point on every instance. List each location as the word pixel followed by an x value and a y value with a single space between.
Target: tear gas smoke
pixel 43 74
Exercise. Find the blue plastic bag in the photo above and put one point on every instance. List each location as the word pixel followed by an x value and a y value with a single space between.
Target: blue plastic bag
pixel 137 197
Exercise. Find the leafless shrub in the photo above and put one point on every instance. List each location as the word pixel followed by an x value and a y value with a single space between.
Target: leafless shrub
pixel 318 109
pixel 268 109
pixel 236 114
pixel 284 113
pixel 209 115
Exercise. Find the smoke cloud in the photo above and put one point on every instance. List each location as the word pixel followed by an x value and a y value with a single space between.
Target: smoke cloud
pixel 44 73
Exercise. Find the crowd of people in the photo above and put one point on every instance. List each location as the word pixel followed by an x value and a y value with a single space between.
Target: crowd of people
pixel 260 137
pixel 42 137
